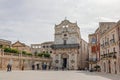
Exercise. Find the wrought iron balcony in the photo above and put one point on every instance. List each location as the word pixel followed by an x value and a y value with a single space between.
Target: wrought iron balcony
pixel 93 60
pixel 112 41
pixel 62 46
pixel 102 45
pixel 106 43
pixel 109 55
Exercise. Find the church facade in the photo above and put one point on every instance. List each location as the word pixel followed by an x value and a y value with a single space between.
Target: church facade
pixel 70 50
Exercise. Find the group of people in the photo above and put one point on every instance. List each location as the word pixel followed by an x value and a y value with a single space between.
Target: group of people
pixel 44 66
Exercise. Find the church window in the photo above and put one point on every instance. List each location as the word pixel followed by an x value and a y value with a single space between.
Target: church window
pixel 43 46
pixel 65 42
pixel 67 26
pixel 93 40
pixel 63 26
pixel 50 51
pixel 65 34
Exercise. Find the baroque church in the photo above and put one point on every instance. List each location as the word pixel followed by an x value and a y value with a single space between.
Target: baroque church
pixel 70 50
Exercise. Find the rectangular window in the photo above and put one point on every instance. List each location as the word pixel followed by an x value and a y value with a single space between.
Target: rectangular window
pixel 65 42
pixel 114 49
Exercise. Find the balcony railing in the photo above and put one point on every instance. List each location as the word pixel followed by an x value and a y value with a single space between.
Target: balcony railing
pixel 102 45
pixel 112 41
pixel 93 60
pixel 61 46
pixel 109 55
pixel 106 43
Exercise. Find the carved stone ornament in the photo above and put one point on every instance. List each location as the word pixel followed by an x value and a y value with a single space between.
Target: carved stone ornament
pixel 72 61
pixel 56 61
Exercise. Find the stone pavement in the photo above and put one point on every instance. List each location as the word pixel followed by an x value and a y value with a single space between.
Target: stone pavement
pixel 56 75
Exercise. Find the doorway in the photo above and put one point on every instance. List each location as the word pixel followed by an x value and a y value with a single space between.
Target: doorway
pixel 109 65
pixel 65 62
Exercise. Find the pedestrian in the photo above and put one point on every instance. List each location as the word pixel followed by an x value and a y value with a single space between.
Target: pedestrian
pixel 9 67
pixel 37 66
pixel 22 67
pixel 33 67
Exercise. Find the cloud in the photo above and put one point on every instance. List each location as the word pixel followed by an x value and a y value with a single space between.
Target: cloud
pixel 32 21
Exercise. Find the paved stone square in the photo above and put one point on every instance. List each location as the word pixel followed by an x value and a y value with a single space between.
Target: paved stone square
pixel 56 75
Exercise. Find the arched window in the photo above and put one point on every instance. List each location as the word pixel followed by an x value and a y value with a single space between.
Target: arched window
pixel 104 67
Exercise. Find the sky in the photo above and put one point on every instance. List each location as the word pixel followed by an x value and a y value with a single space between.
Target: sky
pixel 33 21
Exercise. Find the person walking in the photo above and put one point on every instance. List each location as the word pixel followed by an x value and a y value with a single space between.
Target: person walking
pixel 9 67
pixel 22 67
pixel 33 67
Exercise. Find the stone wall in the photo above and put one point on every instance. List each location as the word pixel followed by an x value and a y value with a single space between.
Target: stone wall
pixel 18 61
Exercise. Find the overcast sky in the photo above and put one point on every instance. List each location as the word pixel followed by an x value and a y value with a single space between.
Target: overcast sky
pixel 32 21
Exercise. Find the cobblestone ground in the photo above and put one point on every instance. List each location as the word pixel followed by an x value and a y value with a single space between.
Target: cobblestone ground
pixel 56 75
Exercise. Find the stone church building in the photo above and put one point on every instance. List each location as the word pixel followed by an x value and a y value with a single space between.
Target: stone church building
pixel 70 50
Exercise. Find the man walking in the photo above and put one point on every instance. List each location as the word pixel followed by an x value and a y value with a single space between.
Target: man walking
pixel 9 67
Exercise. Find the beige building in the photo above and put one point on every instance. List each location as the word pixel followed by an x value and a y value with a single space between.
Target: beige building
pixel 109 49
pixel 46 47
pixel 108 39
pixel 68 46
pixel 42 48
pixel 36 48
pixel 83 61
pixel 5 43
pixel 21 46
pixel 118 31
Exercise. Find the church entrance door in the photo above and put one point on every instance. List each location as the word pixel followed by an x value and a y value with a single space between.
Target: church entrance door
pixel 65 62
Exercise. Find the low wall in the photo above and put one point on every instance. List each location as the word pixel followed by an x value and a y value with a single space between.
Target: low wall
pixel 18 61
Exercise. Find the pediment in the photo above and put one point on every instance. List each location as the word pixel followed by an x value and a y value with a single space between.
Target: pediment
pixel 18 44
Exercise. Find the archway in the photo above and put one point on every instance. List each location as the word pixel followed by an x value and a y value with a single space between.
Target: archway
pixel 109 66
pixel 64 58
pixel 104 67
pixel 115 68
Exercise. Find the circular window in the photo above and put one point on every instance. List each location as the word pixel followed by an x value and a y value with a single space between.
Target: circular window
pixel 56 61
pixel 65 34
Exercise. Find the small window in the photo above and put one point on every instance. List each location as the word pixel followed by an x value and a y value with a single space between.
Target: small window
pixel 33 47
pixel 65 42
pixel 114 49
pixel 67 26
pixel 50 51
pixel 43 46
pixel 63 26
pixel 39 46
pixel 65 34
pixel 46 46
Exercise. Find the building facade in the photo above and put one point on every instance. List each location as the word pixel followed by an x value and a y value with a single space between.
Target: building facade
pixel 83 55
pixel 36 48
pixel 5 43
pixel 42 48
pixel 107 38
pixel 68 46
pixel 109 49
pixel 118 31
pixel 21 47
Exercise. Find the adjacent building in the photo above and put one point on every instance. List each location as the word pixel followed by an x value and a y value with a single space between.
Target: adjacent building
pixel 36 48
pixel 42 48
pixel 104 47
pixel 5 43
pixel 21 47
pixel 109 48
